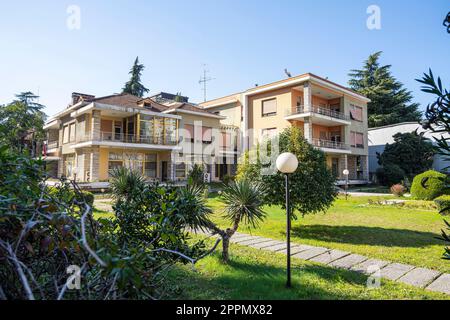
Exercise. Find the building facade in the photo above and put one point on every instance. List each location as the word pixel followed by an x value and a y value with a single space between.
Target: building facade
pixel 92 136
pixel 380 136
pixel 163 138
pixel 332 118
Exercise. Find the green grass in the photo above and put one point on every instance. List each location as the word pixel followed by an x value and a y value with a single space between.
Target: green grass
pixel 256 274
pixel 401 234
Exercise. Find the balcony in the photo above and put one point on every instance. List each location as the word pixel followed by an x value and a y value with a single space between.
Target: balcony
pixel 120 140
pixel 319 115
pixel 331 146
pixel 52 145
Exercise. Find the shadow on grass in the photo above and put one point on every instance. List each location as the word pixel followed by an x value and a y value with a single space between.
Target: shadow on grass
pixel 375 236
pixel 245 280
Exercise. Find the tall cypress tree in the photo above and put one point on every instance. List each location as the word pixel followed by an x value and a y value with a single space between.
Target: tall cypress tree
pixel 390 101
pixel 134 85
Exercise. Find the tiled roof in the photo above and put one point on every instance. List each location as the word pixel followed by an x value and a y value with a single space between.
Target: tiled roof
pixel 122 99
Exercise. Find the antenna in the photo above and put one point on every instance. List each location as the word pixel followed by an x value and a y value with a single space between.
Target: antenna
pixel 203 80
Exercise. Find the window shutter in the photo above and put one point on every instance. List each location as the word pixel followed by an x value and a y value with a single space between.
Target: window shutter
pixel 189 132
pixel 207 134
pixel 269 106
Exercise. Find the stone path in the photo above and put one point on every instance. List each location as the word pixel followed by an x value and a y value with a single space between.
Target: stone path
pixel 419 277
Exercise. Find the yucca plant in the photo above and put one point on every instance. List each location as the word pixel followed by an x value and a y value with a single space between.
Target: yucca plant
pixel 243 202
pixel 125 181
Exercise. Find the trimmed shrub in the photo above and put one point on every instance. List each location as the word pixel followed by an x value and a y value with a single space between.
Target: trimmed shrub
pixel 390 174
pixel 398 190
pixel 443 204
pixel 428 185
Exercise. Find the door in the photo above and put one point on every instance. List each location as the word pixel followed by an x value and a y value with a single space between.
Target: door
pixel 164 170
pixel 335 167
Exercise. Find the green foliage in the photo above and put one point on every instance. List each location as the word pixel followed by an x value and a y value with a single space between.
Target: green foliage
pixel 247 169
pixel 20 119
pixel 134 85
pixel 124 182
pixel 428 185
pixel 390 101
pixel 390 174
pixel 398 190
pixel 195 175
pixel 443 204
pixel 410 151
pixel 227 179
pixel 243 202
pixel 44 230
pixel 312 186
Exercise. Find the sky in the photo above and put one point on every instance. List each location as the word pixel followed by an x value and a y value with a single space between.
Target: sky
pixel 242 43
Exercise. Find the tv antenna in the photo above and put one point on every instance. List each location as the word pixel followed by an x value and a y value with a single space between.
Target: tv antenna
pixel 204 80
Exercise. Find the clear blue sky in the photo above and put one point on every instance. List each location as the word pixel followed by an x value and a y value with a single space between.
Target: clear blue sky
pixel 242 42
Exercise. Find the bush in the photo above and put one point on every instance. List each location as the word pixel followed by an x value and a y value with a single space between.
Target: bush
pixel 67 194
pixel 398 190
pixel 227 179
pixel 428 185
pixel 195 175
pixel 443 204
pixel 390 174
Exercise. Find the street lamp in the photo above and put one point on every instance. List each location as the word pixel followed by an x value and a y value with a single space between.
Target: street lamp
pixel 287 163
pixel 346 173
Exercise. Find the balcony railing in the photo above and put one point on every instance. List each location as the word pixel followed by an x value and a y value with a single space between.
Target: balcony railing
pixel 330 144
pixel 52 144
pixel 319 110
pixel 132 138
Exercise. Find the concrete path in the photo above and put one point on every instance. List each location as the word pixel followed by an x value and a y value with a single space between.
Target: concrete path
pixel 419 277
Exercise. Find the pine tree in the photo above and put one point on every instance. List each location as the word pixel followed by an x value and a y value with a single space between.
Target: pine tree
pixel 134 85
pixel 390 101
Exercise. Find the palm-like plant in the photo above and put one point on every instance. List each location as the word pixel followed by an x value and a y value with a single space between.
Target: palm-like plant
pixel 125 181
pixel 243 202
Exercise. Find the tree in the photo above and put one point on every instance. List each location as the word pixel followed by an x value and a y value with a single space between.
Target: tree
pixel 438 120
pixel 390 101
pixel 134 85
pixel 243 201
pixel 20 119
pixel 411 152
pixel 312 185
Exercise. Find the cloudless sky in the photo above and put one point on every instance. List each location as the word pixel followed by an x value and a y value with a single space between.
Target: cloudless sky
pixel 242 42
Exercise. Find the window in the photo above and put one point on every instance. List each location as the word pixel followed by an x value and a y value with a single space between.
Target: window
pixel 206 134
pixel 356 139
pixel 268 133
pixel 72 132
pixel 150 165
pixel 66 134
pixel 356 113
pixel 189 132
pixel 180 170
pixel 269 107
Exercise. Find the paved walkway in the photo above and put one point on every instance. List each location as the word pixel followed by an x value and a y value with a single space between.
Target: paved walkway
pixel 419 277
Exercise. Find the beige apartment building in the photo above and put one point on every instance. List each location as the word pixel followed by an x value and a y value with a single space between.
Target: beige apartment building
pixel 332 117
pixel 160 137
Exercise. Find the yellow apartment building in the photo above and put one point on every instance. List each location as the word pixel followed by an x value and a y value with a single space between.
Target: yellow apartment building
pixel 332 117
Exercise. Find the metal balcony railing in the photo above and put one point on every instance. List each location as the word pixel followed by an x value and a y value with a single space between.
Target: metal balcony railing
pixel 330 144
pixel 318 110
pixel 132 138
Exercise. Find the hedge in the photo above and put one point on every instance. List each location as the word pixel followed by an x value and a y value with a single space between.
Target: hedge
pixel 443 204
pixel 434 186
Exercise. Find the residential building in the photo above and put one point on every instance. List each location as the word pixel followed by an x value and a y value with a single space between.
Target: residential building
pixel 162 139
pixel 380 136
pixel 332 117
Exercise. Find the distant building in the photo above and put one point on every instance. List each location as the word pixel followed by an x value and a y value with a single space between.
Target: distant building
pixel 378 137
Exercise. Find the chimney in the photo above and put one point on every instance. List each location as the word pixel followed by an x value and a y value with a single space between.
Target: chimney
pixel 76 97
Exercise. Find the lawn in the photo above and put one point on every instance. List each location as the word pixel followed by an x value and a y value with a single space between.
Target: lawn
pixel 256 274
pixel 406 235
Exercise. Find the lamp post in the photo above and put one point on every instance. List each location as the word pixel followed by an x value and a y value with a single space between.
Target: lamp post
pixel 346 173
pixel 287 163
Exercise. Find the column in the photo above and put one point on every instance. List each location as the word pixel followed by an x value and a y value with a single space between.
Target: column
pixel 171 166
pixel 307 96
pixel 245 142
pixel 308 130
pixel 95 125
pixel 95 165
pixel 60 165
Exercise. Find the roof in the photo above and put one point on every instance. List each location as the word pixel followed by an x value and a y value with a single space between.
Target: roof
pixel 188 107
pixel 122 99
pixel 287 81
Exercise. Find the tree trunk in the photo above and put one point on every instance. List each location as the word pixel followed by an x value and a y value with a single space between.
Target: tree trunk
pixel 225 245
